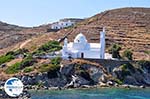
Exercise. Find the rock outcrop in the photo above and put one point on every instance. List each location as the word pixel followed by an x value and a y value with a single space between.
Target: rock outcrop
pixel 134 73
pixel 82 73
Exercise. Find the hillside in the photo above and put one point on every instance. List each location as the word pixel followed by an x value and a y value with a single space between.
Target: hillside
pixel 10 35
pixel 128 27
pixel 13 37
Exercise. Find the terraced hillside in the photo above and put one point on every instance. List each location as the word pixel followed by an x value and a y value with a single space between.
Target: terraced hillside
pixel 128 27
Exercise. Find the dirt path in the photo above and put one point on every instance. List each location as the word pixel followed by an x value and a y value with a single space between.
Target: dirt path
pixel 24 43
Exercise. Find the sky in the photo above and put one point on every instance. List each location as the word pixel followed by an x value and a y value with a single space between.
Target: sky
pixel 37 12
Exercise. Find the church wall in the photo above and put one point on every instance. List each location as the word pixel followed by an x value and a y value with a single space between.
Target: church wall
pixel 92 54
pixel 78 46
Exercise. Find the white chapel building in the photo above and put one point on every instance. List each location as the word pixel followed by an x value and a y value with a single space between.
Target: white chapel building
pixel 80 48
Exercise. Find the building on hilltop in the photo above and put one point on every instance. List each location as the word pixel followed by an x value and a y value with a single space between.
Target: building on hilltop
pixel 80 48
pixel 63 23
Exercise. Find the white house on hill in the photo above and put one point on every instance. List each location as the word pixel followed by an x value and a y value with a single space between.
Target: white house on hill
pixel 62 24
pixel 80 48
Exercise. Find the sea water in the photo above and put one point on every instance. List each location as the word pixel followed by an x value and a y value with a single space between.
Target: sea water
pixel 99 93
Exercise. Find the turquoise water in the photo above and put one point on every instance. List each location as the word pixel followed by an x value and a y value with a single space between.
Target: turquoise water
pixel 103 93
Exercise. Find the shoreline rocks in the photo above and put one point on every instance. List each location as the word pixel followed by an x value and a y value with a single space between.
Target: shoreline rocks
pixel 86 75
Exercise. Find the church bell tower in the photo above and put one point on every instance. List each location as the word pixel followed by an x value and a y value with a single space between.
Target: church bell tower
pixel 102 44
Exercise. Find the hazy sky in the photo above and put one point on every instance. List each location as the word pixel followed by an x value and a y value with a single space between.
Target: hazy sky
pixel 37 12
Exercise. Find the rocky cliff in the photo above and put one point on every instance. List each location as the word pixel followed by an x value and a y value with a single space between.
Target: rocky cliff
pixel 83 73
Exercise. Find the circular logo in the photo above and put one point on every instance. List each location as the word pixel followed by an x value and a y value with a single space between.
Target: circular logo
pixel 13 87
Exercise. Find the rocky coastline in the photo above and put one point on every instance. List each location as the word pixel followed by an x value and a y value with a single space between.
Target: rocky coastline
pixel 85 74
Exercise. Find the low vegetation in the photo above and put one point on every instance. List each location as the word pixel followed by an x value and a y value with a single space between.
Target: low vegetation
pixel 147 52
pixel 54 65
pixel 25 63
pixel 128 54
pixel 126 69
pixel 12 55
pixel 51 68
pixel 13 69
pixel 18 52
pixel 28 61
pixel 28 69
pixel 39 84
pixel 114 50
pixel 6 58
pixel 48 47
pixel 56 61
pixel 117 81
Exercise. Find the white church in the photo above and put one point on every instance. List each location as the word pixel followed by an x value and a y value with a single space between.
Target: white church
pixel 80 48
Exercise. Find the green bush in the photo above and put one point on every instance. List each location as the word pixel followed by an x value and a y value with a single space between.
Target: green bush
pixel 56 61
pixel 53 71
pixel 44 67
pixel 147 52
pixel 114 50
pixel 49 67
pixel 28 61
pixel 39 84
pixel 49 47
pixel 54 66
pixel 6 58
pixel 128 54
pixel 117 81
pixel 28 69
pixel 10 53
pixel 128 66
pixel 17 52
pixel 125 71
pixel 13 69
